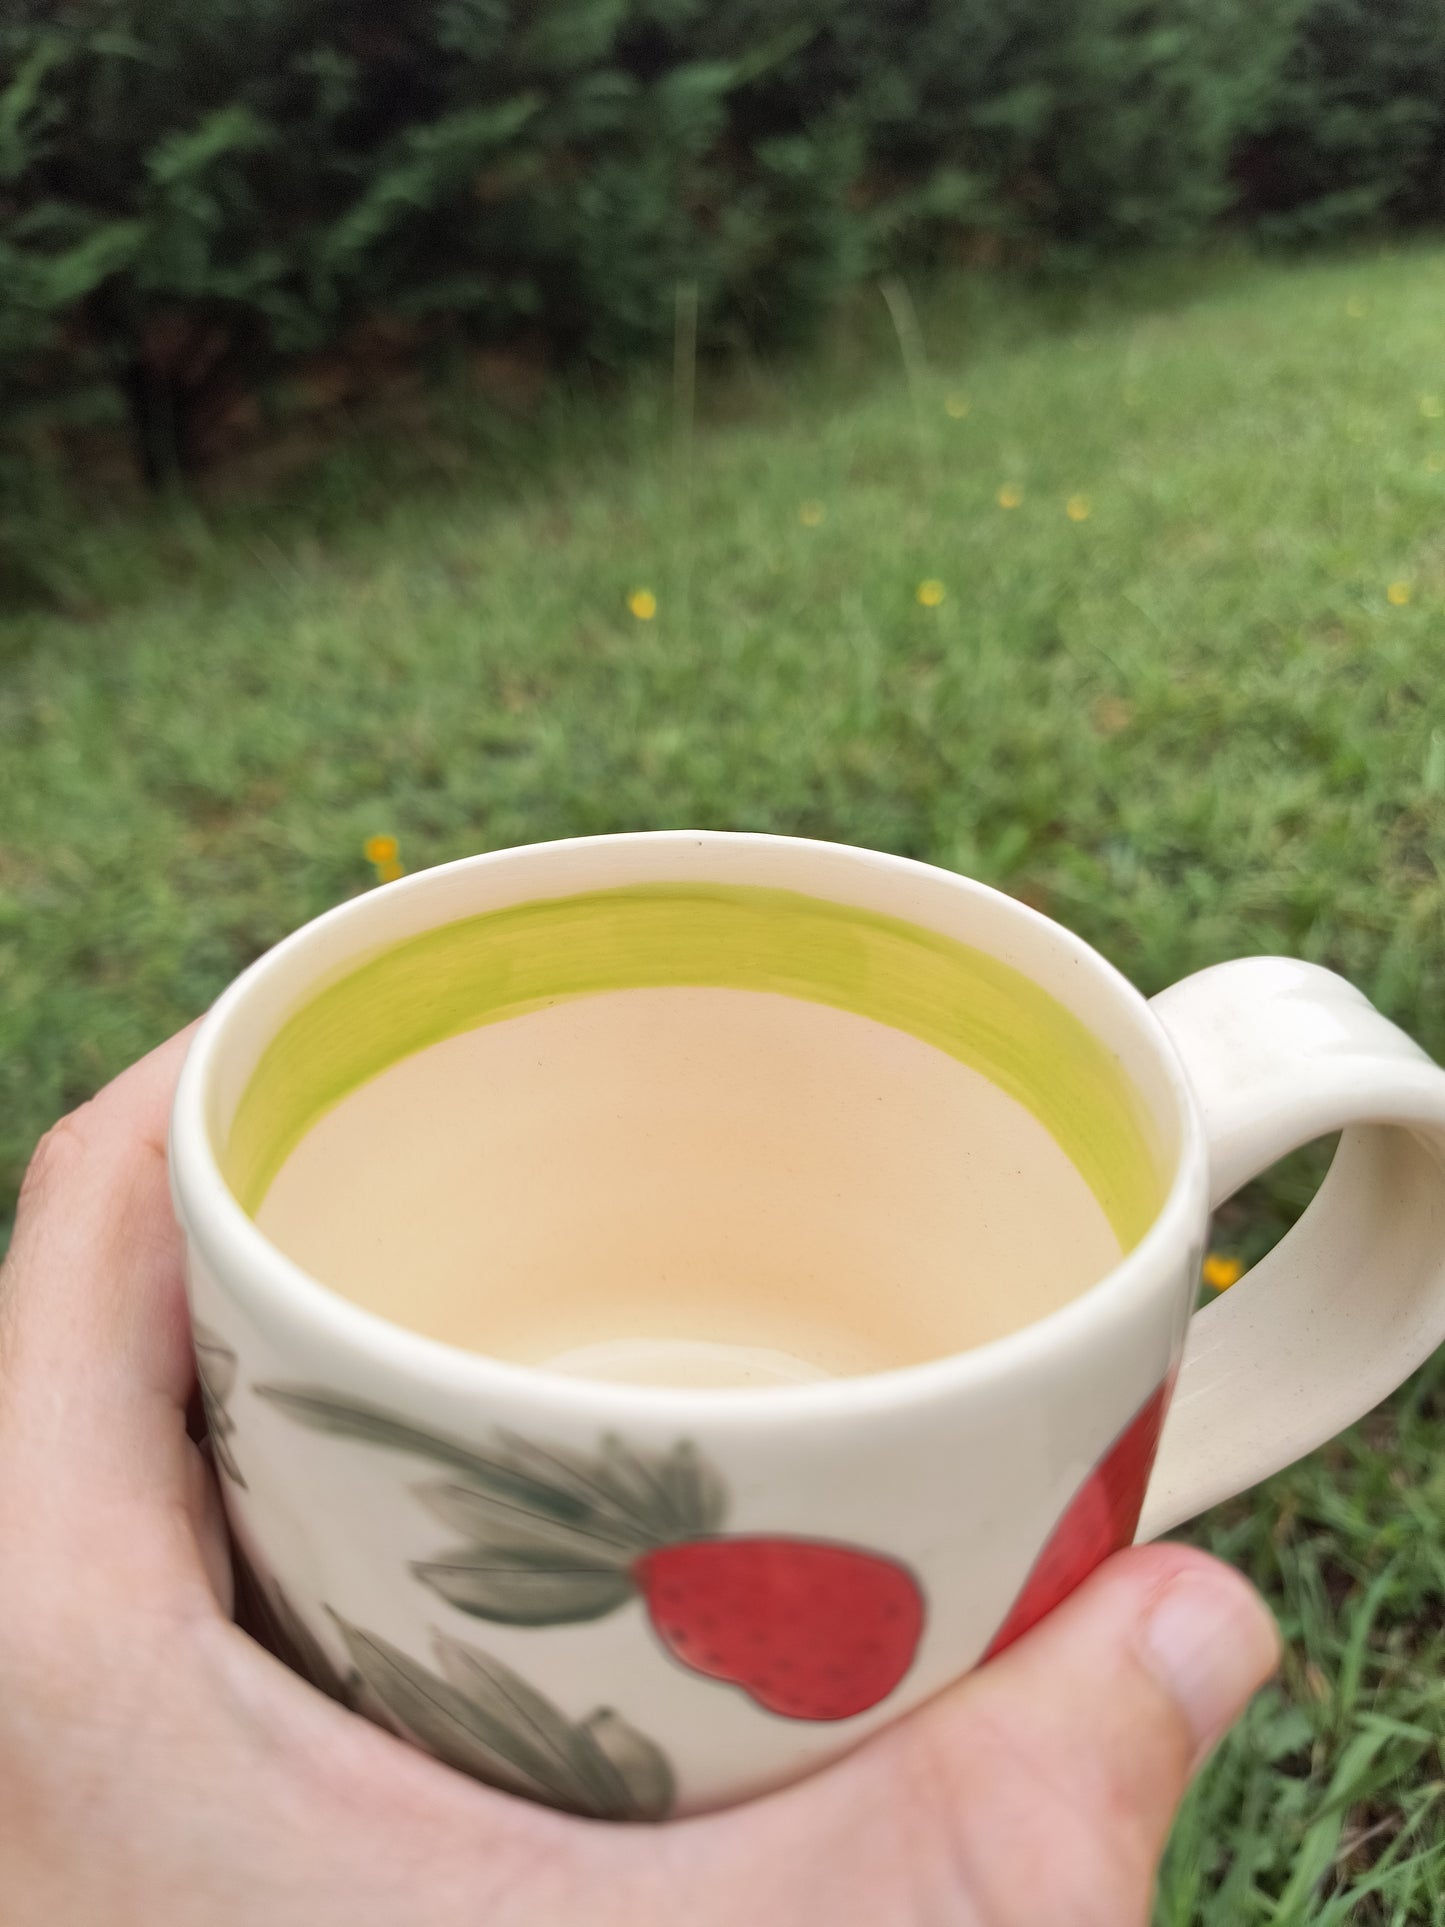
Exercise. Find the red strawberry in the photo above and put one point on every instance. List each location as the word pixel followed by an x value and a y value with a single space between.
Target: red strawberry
pixel 1101 1518
pixel 809 1629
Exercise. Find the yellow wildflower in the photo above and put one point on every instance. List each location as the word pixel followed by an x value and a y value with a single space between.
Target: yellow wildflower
pixel 956 406
pixel 1009 496
pixel 1354 307
pixel 1221 1272
pixel 380 849
pixel 930 592
pixel 810 514
pixel 1398 594
pixel 1077 508
pixel 643 604
pixel 1432 407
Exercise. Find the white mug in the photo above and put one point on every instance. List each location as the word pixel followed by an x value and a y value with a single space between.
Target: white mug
pixel 638 1600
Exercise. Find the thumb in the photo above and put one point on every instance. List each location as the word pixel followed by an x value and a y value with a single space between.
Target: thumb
pixel 1042 1787
pixel 1061 1765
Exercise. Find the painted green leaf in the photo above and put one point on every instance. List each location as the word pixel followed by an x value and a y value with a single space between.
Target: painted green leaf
pixel 640 1765
pixel 215 1362
pixel 601 1766
pixel 221 1451
pixel 698 1493
pixel 618 1485
pixel 629 1498
pixel 520 1587
pixel 435 1714
pixel 539 1738
pixel 321 1412
pixel 485 1519
pixel 638 1482
pixel 549 1482
pixel 675 1491
pixel 216 1376
pixel 484 1719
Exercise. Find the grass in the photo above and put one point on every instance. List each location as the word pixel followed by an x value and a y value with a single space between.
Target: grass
pixel 1190 723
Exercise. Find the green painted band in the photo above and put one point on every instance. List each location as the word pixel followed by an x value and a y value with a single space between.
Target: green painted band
pixel 504 963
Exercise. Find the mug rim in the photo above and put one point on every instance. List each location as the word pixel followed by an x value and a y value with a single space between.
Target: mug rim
pixel 250 1267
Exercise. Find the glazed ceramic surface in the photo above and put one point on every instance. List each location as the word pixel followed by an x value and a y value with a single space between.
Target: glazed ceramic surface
pixel 633 1601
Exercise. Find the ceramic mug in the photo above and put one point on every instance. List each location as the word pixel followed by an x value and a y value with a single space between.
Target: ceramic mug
pixel 634 1601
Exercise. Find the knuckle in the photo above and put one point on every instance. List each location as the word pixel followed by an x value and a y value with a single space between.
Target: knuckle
pixel 59 1153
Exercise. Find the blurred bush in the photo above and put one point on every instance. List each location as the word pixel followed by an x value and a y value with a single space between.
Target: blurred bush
pixel 195 194
pixel 1353 123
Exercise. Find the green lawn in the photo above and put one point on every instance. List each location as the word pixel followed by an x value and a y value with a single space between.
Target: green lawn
pixel 1204 718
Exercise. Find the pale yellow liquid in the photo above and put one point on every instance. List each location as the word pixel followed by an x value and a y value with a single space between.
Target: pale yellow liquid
pixel 691 1187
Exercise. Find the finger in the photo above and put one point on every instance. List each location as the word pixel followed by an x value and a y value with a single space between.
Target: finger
pixel 1040 1788
pixel 1103 1715
pixel 95 1354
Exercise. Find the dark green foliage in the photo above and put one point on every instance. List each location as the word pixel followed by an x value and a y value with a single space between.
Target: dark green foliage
pixel 1094 122
pixel 194 196
pixel 1354 128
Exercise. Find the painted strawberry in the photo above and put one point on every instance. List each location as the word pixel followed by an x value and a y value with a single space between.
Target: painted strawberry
pixel 1101 1518
pixel 808 1628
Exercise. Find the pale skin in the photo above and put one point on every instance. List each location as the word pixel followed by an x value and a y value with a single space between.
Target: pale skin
pixel 158 1768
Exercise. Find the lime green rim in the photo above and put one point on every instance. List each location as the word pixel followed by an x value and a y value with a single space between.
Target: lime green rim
pixel 506 963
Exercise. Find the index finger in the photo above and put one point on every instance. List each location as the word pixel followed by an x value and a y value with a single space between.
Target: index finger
pixel 95 1351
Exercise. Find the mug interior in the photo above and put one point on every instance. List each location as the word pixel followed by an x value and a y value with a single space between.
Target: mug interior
pixel 555 931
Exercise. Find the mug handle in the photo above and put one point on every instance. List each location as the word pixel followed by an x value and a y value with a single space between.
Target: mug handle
pixel 1353 1298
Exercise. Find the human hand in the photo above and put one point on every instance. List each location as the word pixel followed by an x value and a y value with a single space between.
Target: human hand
pixel 158 1768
